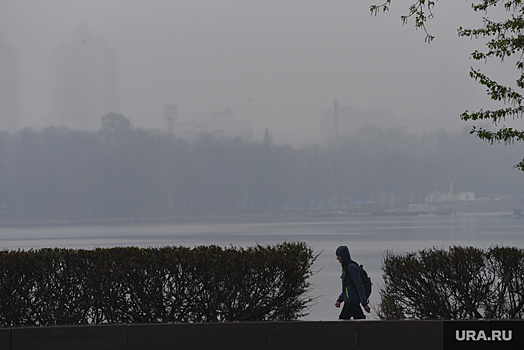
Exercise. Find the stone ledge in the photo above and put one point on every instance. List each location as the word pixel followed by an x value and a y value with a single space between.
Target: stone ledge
pixel 318 335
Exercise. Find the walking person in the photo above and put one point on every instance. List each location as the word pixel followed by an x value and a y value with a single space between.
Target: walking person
pixel 353 293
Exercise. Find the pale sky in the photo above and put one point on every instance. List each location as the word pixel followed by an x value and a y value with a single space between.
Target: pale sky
pixel 278 63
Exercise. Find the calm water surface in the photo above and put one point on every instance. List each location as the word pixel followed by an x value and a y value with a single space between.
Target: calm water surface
pixel 367 239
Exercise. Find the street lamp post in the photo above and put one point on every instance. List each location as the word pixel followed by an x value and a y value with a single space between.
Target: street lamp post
pixel 335 105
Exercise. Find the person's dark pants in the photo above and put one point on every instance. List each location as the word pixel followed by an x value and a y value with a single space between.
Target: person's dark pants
pixel 351 310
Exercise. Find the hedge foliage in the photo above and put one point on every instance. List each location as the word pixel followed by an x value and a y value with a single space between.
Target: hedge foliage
pixel 148 285
pixel 459 283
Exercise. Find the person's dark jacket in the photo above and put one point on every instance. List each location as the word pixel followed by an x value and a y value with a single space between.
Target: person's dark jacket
pixel 351 292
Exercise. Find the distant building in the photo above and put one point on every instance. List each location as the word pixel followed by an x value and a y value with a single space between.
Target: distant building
pixel 170 115
pixel 420 208
pixel 84 81
pixel 450 197
pixel 9 94
pixel 349 121
pixel 218 124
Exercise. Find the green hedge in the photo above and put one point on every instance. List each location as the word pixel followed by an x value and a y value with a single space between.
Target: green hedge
pixel 459 283
pixel 148 285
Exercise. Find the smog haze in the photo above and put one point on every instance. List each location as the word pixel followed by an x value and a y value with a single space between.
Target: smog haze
pixel 278 64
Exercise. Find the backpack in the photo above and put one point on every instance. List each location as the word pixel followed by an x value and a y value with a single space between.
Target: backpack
pixel 366 280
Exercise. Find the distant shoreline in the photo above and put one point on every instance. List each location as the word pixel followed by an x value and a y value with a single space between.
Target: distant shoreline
pixel 280 217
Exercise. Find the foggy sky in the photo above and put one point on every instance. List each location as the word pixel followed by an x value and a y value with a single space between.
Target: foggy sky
pixel 278 63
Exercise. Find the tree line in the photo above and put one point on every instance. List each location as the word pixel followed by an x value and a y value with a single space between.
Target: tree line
pixel 124 172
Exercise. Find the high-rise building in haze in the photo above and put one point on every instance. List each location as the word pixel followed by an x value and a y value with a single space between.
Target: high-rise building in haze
pixel 84 81
pixel 343 121
pixel 9 98
pixel 217 124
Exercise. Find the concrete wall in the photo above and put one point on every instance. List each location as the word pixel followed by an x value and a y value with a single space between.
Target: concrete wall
pixel 337 335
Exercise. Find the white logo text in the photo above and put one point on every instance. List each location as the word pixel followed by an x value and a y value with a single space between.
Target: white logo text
pixel 472 335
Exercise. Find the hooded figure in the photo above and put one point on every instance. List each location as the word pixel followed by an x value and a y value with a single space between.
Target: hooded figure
pixel 353 292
